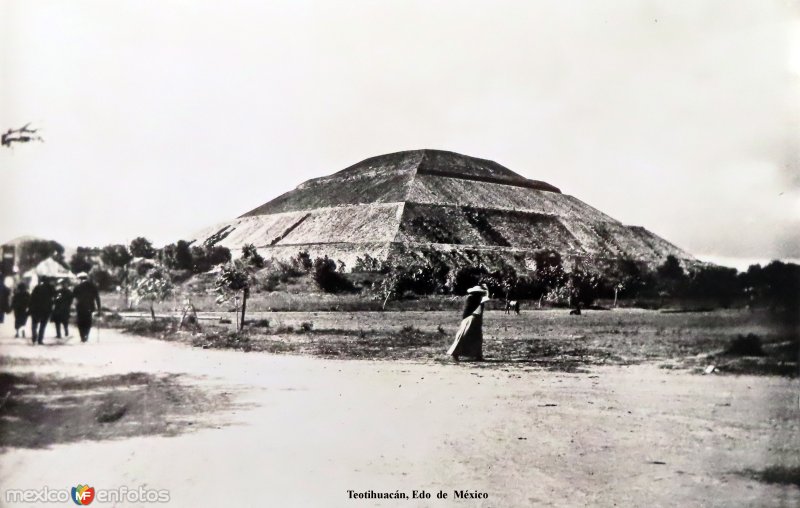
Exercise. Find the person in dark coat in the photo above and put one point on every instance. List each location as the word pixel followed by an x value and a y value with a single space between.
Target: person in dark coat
pixel 19 304
pixel 40 308
pixel 87 300
pixel 469 338
pixel 61 305
pixel 5 301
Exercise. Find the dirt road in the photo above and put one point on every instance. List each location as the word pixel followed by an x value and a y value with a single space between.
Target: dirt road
pixel 304 431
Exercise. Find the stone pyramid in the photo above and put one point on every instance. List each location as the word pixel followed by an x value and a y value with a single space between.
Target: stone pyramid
pixel 423 201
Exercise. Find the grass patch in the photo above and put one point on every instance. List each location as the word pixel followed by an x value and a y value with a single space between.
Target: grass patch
pixel 550 339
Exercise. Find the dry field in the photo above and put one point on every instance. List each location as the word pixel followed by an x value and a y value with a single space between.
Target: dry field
pixel 549 338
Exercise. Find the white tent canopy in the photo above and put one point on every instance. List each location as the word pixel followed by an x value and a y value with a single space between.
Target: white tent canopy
pixel 48 268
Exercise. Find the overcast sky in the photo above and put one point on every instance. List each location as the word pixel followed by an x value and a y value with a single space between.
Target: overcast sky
pixel 163 117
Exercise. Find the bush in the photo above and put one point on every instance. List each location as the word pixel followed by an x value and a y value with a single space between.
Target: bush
pixel 251 256
pixel 102 279
pixel 144 267
pixel 177 256
pixel 422 279
pixel 272 282
pixel 287 271
pixel 369 264
pixel 218 255
pixel 302 262
pixel 328 279
pixel 746 345
pixel 584 287
pixel 204 258
pixel 467 277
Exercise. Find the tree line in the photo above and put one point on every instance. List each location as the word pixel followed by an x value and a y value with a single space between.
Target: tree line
pixel 777 284
pixel 109 266
pixel 550 280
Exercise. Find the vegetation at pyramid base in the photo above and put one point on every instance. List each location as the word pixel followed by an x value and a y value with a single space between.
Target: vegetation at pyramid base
pixel 408 274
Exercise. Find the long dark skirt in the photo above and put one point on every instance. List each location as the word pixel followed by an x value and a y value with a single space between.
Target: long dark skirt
pixel 469 338
pixel 20 319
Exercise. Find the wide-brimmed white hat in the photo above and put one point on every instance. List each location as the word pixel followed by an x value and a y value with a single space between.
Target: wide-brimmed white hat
pixel 478 289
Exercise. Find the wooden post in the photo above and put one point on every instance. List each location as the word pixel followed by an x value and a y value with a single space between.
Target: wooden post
pixel 244 307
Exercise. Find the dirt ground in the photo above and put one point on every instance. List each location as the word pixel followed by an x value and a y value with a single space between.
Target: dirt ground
pixel 292 430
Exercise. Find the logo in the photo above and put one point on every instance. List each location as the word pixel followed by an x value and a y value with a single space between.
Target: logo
pixel 83 495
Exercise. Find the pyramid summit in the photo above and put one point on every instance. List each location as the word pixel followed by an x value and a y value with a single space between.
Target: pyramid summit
pixel 390 178
pixel 420 202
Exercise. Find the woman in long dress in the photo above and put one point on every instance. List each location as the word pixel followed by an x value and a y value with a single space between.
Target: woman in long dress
pixel 19 303
pixel 469 338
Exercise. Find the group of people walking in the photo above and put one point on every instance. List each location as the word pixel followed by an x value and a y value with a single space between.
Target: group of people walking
pixel 48 303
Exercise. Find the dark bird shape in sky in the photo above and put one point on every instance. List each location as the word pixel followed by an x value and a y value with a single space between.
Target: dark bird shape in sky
pixel 21 135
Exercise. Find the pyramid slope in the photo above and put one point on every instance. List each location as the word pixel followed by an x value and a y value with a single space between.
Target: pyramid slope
pixel 389 178
pixel 450 191
pixel 431 200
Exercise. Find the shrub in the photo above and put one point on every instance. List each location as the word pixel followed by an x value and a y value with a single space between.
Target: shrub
pixel 200 262
pixel 421 279
pixel 218 255
pixel 302 261
pixel 144 267
pixel 177 256
pixel 251 256
pixel 746 345
pixel 287 271
pixel 102 278
pixel 466 277
pixel 206 257
pixel 328 278
pixel 368 264
pixel 584 286
pixel 272 282
pixel 262 323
